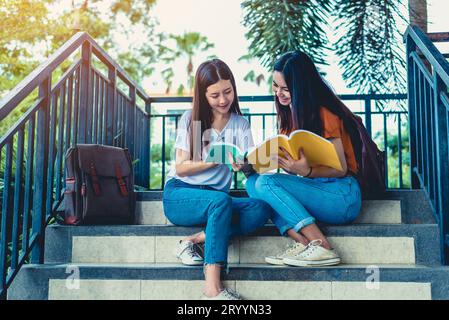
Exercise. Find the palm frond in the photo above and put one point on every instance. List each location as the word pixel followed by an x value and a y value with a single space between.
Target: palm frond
pixel 368 47
pixel 275 27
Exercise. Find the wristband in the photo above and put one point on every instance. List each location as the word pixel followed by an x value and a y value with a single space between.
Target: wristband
pixel 310 172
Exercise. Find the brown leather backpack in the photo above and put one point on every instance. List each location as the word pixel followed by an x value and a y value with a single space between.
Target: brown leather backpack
pixel 99 185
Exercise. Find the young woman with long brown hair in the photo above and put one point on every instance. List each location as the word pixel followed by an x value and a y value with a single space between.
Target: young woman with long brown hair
pixel 196 192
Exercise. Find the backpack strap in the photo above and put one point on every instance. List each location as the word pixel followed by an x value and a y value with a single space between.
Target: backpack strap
pixel 71 204
pixel 95 181
pixel 121 182
pixel 69 201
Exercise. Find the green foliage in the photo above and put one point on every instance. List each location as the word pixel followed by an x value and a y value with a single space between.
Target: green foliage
pixel 369 49
pixel 258 78
pixel 187 45
pixel 21 24
pixel 156 163
pixel 180 90
pixel 368 40
pixel 276 27
pixel 250 76
pixel 135 10
pixel 30 31
pixel 393 157
pixel 156 151
pixel 167 75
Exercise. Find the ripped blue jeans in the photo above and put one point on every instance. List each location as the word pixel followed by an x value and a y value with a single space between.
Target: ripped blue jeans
pixel 225 216
pixel 298 201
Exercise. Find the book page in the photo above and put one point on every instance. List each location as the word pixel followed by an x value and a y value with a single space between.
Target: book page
pixel 318 151
pixel 260 157
pixel 218 153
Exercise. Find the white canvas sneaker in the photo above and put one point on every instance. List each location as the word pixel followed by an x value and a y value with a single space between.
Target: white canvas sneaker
pixel 186 252
pixel 225 294
pixel 291 251
pixel 314 256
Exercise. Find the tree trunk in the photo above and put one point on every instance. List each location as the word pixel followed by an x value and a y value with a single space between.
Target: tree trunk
pixel 85 5
pixel 418 13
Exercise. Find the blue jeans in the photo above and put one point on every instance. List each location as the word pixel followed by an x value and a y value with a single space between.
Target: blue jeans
pixel 298 201
pixel 224 216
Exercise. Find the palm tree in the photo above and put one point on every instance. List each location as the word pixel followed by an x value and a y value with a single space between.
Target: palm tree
pixel 368 42
pixel 187 45
pixel 277 26
pixel 369 46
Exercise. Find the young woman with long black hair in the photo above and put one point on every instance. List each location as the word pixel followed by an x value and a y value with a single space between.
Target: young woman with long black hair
pixel 304 101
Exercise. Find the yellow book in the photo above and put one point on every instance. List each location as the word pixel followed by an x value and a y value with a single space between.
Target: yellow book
pixel 318 151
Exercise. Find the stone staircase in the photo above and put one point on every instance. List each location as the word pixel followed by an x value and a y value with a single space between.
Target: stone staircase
pixel 391 252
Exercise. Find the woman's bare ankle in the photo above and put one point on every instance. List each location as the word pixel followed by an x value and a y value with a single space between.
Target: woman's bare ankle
pixel 212 291
pixel 326 245
pixel 195 238
pixel 297 237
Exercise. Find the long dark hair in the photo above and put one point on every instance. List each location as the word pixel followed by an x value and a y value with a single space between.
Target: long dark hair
pixel 209 73
pixel 308 93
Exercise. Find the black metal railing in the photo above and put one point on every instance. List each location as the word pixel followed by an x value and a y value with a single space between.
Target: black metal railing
pixel 84 106
pixel 428 103
pixel 165 125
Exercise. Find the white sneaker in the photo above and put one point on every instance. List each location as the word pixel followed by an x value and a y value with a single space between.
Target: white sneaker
pixel 225 294
pixel 187 253
pixel 291 251
pixel 313 256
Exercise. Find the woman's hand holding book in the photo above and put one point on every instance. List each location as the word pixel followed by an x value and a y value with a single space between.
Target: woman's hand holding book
pixel 236 166
pixel 300 166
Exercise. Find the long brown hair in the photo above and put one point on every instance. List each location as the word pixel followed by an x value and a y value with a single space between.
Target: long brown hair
pixel 208 73
pixel 309 92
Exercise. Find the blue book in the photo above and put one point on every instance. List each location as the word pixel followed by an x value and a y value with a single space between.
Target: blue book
pixel 218 153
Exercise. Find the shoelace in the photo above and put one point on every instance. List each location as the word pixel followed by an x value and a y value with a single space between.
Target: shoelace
pixel 311 247
pixel 231 294
pixel 293 247
pixel 190 250
pixel 200 249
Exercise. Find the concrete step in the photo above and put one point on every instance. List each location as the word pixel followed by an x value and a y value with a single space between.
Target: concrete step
pixel 373 211
pixel 174 281
pixel 367 244
pixel 414 207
